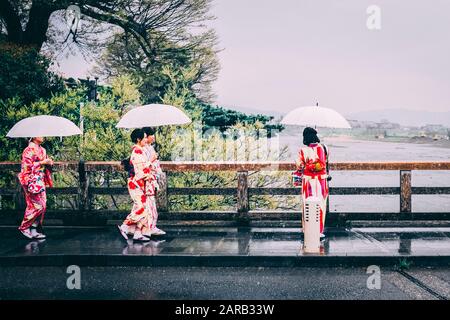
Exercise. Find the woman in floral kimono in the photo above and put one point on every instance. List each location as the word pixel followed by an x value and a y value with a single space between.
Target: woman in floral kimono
pixel 140 174
pixel 153 187
pixel 34 177
pixel 312 162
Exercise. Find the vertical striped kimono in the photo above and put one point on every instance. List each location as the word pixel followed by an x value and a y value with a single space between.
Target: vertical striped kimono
pixel 312 161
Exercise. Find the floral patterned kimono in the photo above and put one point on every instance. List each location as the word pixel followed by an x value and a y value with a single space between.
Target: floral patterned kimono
pixel 141 214
pixel 34 179
pixel 152 187
pixel 312 161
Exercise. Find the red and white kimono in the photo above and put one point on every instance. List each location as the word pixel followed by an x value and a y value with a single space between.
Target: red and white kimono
pixel 141 215
pixel 312 161
pixel 34 179
pixel 152 187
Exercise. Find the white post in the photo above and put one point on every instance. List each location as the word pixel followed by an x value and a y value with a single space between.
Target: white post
pixel 81 124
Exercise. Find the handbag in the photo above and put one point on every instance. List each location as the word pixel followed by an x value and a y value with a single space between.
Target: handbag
pixel 297 178
pixel 36 184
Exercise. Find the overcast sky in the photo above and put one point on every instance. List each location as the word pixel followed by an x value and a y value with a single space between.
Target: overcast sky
pixel 282 54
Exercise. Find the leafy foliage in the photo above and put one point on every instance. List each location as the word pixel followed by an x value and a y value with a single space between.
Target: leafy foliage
pixel 101 139
pixel 24 74
pixel 156 52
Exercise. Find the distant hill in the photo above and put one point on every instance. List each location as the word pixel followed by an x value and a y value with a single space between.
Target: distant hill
pixel 404 117
pixel 253 111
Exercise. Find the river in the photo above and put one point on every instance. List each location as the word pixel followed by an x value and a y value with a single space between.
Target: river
pixel 348 149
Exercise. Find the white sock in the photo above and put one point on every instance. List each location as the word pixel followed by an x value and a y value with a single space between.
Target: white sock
pixel 34 232
pixel 131 229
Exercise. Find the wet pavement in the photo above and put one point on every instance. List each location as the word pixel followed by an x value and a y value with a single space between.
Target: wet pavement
pixel 196 245
pixel 229 283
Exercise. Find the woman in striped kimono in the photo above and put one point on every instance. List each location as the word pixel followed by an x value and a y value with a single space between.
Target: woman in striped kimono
pixel 139 221
pixel 312 162
pixel 34 177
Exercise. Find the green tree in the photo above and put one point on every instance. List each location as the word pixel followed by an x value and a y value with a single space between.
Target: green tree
pixel 141 37
pixel 24 74
pixel 35 22
pixel 101 140
pixel 125 56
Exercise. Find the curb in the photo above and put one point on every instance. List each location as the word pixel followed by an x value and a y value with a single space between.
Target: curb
pixel 218 261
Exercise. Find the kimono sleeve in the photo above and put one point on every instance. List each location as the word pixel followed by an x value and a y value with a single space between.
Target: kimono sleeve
pixel 300 160
pixel 29 165
pixel 29 161
pixel 140 164
pixel 154 165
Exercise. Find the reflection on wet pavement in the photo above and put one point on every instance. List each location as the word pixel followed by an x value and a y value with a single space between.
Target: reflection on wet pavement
pixel 230 241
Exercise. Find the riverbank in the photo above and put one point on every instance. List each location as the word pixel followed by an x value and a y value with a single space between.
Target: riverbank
pixel 413 140
pixel 349 148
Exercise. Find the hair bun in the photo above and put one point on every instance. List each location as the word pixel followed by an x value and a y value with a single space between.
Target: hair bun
pixel 309 130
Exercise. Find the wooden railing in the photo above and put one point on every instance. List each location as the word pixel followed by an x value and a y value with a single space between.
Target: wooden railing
pixel 242 191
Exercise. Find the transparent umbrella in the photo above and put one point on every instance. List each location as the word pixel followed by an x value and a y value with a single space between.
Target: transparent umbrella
pixel 153 115
pixel 315 116
pixel 43 126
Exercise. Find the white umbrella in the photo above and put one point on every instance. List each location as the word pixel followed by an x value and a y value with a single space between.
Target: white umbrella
pixel 153 115
pixel 43 126
pixel 316 116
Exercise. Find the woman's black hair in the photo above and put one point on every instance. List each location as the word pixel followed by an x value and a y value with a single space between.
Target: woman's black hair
pixel 126 165
pixel 310 136
pixel 150 131
pixel 137 134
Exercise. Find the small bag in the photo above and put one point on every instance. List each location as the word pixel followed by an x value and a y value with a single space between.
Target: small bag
pixel 316 166
pixel 36 184
pixel 297 178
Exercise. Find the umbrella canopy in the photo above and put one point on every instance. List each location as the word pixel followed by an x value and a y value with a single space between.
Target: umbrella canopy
pixel 153 115
pixel 43 126
pixel 316 117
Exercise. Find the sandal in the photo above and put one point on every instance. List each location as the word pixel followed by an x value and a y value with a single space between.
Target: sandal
pixel 141 238
pixel 123 233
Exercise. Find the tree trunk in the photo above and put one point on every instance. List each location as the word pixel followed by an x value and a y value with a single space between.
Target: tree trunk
pixel 12 21
pixel 35 32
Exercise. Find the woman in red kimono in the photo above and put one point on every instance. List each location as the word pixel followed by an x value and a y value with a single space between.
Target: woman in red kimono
pixel 34 177
pixel 312 162
pixel 139 221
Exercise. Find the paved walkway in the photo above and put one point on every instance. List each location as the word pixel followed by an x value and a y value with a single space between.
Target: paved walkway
pixel 229 283
pixel 196 245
